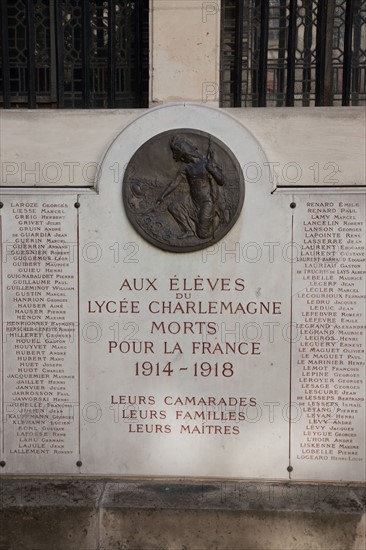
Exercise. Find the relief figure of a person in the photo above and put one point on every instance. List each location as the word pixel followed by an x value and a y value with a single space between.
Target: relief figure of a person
pixel 198 212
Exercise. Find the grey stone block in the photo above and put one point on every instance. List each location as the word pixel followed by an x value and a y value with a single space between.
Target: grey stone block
pixel 97 514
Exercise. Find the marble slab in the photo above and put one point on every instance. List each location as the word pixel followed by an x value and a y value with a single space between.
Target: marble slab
pixel 242 360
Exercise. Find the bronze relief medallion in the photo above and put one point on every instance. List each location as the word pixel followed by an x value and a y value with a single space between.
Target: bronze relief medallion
pixel 183 190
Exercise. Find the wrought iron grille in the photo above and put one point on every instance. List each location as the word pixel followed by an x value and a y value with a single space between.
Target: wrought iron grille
pixel 74 53
pixel 293 53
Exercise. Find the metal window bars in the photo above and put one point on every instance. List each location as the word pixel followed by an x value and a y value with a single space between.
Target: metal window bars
pixel 293 53
pixel 74 53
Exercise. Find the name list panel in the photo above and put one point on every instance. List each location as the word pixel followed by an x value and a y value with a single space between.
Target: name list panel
pixel 328 378
pixel 40 334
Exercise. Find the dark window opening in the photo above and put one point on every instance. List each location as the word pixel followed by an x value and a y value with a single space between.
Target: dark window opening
pixel 74 53
pixel 293 53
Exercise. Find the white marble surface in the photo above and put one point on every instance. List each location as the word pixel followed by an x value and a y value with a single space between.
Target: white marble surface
pixel 328 359
pixel 108 445
pixel 123 307
pixel 39 339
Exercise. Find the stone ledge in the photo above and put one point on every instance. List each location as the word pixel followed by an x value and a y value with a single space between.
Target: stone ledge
pixel 106 514
pixel 183 494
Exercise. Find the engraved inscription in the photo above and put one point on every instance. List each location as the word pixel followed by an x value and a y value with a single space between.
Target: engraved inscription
pixel 39 328
pixel 330 319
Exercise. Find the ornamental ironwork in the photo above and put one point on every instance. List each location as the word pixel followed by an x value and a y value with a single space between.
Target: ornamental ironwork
pixel 74 53
pixel 293 53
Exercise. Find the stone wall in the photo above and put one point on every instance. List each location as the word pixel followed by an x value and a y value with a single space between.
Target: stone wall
pixel 304 147
pixel 178 514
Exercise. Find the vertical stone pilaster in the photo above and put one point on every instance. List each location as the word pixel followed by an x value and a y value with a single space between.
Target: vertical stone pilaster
pixel 185 51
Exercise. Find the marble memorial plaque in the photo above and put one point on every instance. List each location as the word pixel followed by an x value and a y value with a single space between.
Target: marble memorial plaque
pixel 185 357
pixel 173 325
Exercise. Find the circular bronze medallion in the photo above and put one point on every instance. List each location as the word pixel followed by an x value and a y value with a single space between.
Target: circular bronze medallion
pixel 183 190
